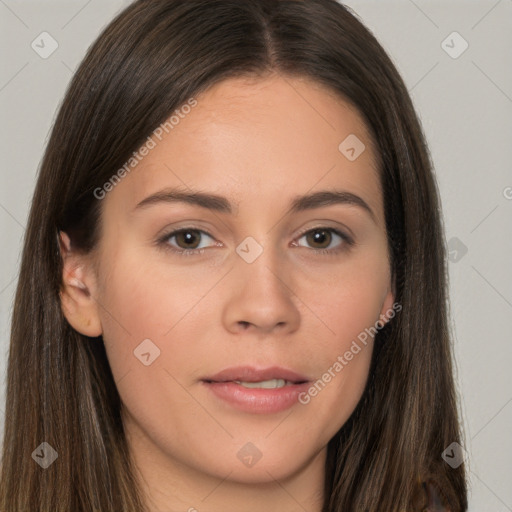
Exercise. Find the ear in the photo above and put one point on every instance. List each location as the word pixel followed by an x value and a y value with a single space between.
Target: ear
pixel 387 312
pixel 76 291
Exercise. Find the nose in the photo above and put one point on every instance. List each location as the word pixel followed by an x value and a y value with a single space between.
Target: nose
pixel 261 296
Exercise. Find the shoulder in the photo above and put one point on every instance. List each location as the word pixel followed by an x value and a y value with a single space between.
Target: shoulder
pixel 435 503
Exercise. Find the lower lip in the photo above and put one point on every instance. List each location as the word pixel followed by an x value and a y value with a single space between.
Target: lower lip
pixel 257 400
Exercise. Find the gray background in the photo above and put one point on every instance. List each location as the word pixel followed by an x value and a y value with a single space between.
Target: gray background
pixel 465 104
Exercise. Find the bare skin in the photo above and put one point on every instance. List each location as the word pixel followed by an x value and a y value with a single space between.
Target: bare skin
pixel 259 143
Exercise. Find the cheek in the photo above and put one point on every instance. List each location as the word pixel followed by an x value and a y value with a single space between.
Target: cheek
pixel 349 298
pixel 143 299
pixel 151 326
pixel 349 307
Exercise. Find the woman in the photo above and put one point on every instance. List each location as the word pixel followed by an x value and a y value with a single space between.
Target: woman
pixel 259 370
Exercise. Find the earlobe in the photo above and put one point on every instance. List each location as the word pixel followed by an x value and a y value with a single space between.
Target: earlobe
pixel 77 302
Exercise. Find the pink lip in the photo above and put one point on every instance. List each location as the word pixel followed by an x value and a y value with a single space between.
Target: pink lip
pixel 251 374
pixel 262 401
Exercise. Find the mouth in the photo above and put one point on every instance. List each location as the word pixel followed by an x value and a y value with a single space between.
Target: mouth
pixel 265 384
pixel 251 375
pixel 266 391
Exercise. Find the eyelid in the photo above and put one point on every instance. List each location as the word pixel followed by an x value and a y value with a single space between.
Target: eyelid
pixel 345 235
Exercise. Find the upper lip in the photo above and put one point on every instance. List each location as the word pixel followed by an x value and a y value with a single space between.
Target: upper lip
pixel 251 374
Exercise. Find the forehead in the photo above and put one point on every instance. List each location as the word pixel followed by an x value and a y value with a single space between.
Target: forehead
pixel 259 138
pixel 296 110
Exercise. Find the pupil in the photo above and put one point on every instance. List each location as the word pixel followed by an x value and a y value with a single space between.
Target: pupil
pixel 320 236
pixel 188 237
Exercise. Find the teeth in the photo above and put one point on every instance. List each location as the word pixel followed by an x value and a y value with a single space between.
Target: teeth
pixel 265 384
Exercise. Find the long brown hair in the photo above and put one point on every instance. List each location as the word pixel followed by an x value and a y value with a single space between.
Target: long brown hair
pixel 152 58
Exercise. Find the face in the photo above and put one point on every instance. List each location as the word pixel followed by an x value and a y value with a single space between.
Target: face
pixel 191 298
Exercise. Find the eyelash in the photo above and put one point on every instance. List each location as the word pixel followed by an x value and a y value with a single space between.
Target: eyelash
pixel 164 241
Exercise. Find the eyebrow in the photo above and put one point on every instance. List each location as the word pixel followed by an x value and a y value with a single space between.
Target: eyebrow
pixel 221 204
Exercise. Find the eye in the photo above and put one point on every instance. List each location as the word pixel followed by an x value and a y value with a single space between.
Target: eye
pixel 324 237
pixel 188 241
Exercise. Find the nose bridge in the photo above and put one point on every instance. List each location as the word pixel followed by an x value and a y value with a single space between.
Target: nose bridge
pixel 261 261
pixel 261 295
